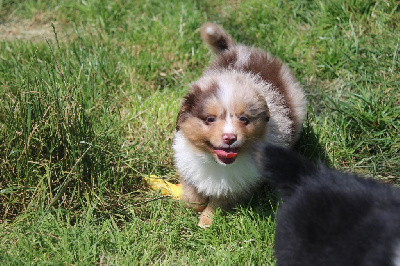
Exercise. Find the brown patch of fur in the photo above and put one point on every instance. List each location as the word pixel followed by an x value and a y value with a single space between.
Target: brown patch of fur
pixel 225 60
pixel 194 101
pixel 271 72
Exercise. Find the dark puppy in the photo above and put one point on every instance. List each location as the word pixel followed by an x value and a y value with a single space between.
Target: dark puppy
pixel 331 218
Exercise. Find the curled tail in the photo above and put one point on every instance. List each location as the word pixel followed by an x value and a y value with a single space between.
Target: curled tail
pixel 285 169
pixel 216 38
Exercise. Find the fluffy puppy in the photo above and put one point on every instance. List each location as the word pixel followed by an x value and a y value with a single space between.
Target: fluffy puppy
pixel 331 218
pixel 245 98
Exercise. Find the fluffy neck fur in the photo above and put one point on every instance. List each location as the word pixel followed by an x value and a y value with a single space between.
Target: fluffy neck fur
pixel 211 178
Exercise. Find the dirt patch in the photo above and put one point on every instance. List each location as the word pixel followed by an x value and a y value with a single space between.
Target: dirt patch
pixel 26 31
pixel 37 29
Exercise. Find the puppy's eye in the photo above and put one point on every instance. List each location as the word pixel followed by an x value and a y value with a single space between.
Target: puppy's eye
pixel 244 120
pixel 210 119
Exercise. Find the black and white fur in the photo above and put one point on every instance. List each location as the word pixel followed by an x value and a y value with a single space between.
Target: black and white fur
pixel 331 218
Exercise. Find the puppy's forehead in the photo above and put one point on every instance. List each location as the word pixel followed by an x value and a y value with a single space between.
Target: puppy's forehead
pixel 224 87
pixel 226 94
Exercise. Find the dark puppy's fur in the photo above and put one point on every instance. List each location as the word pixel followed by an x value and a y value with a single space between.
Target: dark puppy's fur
pixel 331 218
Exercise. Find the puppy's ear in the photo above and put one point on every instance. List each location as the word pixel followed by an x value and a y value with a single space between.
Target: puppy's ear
pixel 261 109
pixel 188 104
pixel 265 113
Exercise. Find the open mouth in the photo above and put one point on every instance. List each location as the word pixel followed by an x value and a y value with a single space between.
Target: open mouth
pixel 226 155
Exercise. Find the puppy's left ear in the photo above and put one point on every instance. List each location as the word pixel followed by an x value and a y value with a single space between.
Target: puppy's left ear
pixel 187 105
pixel 264 110
pixel 182 115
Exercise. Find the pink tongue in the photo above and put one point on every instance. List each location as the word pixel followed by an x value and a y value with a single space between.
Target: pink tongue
pixel 224 154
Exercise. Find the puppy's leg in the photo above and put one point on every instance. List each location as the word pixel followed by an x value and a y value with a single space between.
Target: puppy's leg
pixel 192 198
pixel 206 216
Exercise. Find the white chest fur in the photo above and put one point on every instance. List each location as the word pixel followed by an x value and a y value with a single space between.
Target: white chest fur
pixel 211 178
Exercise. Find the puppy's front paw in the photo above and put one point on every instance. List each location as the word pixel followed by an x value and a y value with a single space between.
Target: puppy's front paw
pixel 205 219
pixel 205 223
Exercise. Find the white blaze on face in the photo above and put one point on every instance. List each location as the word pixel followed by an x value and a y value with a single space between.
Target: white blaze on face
pixel 228 128
pixel 225 94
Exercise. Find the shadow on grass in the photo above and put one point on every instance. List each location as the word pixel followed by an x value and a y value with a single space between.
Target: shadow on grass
pixel 265 202
pixel 310 146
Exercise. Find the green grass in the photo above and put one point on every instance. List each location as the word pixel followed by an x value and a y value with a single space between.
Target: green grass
pixel 151 234
pixel 89 93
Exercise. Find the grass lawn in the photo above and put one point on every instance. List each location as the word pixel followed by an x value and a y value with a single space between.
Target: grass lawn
pixel 89 94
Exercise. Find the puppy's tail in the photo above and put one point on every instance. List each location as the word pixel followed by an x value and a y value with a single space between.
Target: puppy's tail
pixel 216 38
pixel 284 169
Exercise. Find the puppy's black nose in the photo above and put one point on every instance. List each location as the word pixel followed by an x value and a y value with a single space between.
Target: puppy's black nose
pixel 229 138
